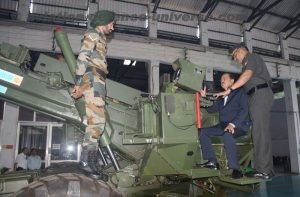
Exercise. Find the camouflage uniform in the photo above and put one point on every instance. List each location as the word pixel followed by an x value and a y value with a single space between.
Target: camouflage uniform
pixel 91 73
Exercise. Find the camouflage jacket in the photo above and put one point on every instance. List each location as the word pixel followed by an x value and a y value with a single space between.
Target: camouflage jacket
pixel 92 56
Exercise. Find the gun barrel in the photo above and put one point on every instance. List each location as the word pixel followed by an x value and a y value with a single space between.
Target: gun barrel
pixel 64 44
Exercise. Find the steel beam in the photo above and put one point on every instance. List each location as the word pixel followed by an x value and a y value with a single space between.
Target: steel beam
pixel 291 23
pixel 254 11
pixel 294 23
pixel 215 4
pixel 252 8
pixel 260 14
pixel 209 7
pixel 157 2
pixel 292 32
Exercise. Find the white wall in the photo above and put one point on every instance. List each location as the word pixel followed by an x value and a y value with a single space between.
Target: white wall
pixel 279 128
pixel 265 40
pixel 224 31
pixel 8 134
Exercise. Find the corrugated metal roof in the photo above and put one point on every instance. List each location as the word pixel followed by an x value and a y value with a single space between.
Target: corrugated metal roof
pixel 189 6
pixel 272 23
pixel 230 13
pixel 140 1
pixel 268 3
pixel 239 10
pixel 251 3
pixel 289 8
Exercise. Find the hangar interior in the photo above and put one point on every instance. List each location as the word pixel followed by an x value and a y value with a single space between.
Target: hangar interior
pixel 149 35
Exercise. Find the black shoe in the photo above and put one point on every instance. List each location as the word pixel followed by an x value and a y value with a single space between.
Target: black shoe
pixel 236 174
pixel 83 162
pixel 260 175
pixel 85 158
pixel 209 164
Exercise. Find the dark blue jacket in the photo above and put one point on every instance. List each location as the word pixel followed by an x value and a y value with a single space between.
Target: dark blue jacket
pixel 235 111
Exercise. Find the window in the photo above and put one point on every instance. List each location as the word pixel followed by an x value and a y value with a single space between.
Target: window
pixel 26 114
pixel 63 145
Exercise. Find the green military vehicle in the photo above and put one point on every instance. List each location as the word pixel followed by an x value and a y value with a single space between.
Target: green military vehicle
pixel 150 147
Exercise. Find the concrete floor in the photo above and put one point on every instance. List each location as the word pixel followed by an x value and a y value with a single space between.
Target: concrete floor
pixel 283 185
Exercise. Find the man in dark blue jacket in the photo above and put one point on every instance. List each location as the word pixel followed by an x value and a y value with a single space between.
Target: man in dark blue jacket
pixel 233 114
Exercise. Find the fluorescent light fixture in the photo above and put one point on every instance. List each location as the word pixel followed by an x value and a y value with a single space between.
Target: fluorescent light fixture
pixel 198 31
pixel 146 21
pixel 31 7
pixel 127 62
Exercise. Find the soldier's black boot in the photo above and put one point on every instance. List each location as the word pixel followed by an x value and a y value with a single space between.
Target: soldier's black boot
pixel 84 157
pixel 88 149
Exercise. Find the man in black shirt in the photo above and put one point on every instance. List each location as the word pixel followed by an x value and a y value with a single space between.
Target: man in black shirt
pixel 256 80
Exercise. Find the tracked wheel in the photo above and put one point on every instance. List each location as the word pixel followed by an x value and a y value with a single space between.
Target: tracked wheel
pixel 69 185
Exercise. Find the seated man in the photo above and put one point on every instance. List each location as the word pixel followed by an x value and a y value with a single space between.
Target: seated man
pixel 34 160
pixel 233 115
pixel 21 160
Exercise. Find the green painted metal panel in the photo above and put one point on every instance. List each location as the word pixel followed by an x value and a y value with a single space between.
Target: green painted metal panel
pixel 34 93
pixel 242 181
pixel 191 75
pixel 196 173
pixel 177 118
pixel 121 92
pixel 47 64
pixel 17 54
pixel 180 156
pixel 172 159
pixel 155 164
pixel 149 119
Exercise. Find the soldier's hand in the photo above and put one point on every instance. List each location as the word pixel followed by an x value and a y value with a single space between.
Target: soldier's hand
pixel 229 128
pixel 76 92
pixel 223 94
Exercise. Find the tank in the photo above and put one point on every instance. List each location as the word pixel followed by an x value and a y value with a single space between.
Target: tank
pixel 150 146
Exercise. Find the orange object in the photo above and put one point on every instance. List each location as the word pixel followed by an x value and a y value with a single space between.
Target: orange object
pixel 7 146
pixel 57 29
pixel 198 113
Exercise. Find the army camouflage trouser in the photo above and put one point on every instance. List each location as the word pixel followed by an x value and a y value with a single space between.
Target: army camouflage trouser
pixel 94 92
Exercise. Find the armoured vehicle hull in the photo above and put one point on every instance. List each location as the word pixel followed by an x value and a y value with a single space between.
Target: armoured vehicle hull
pixel 150 144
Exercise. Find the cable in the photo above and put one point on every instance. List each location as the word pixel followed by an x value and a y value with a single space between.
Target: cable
pixel 181 127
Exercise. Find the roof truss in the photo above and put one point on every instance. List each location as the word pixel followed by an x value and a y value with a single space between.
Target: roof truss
pixel 293 24
pixel 209 7
pixel 258 13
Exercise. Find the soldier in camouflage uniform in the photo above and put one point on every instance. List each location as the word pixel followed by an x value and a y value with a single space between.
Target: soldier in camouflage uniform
pixel 91 73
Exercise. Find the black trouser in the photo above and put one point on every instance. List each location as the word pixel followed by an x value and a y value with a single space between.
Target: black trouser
pixel 208 153
pixel 260 104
